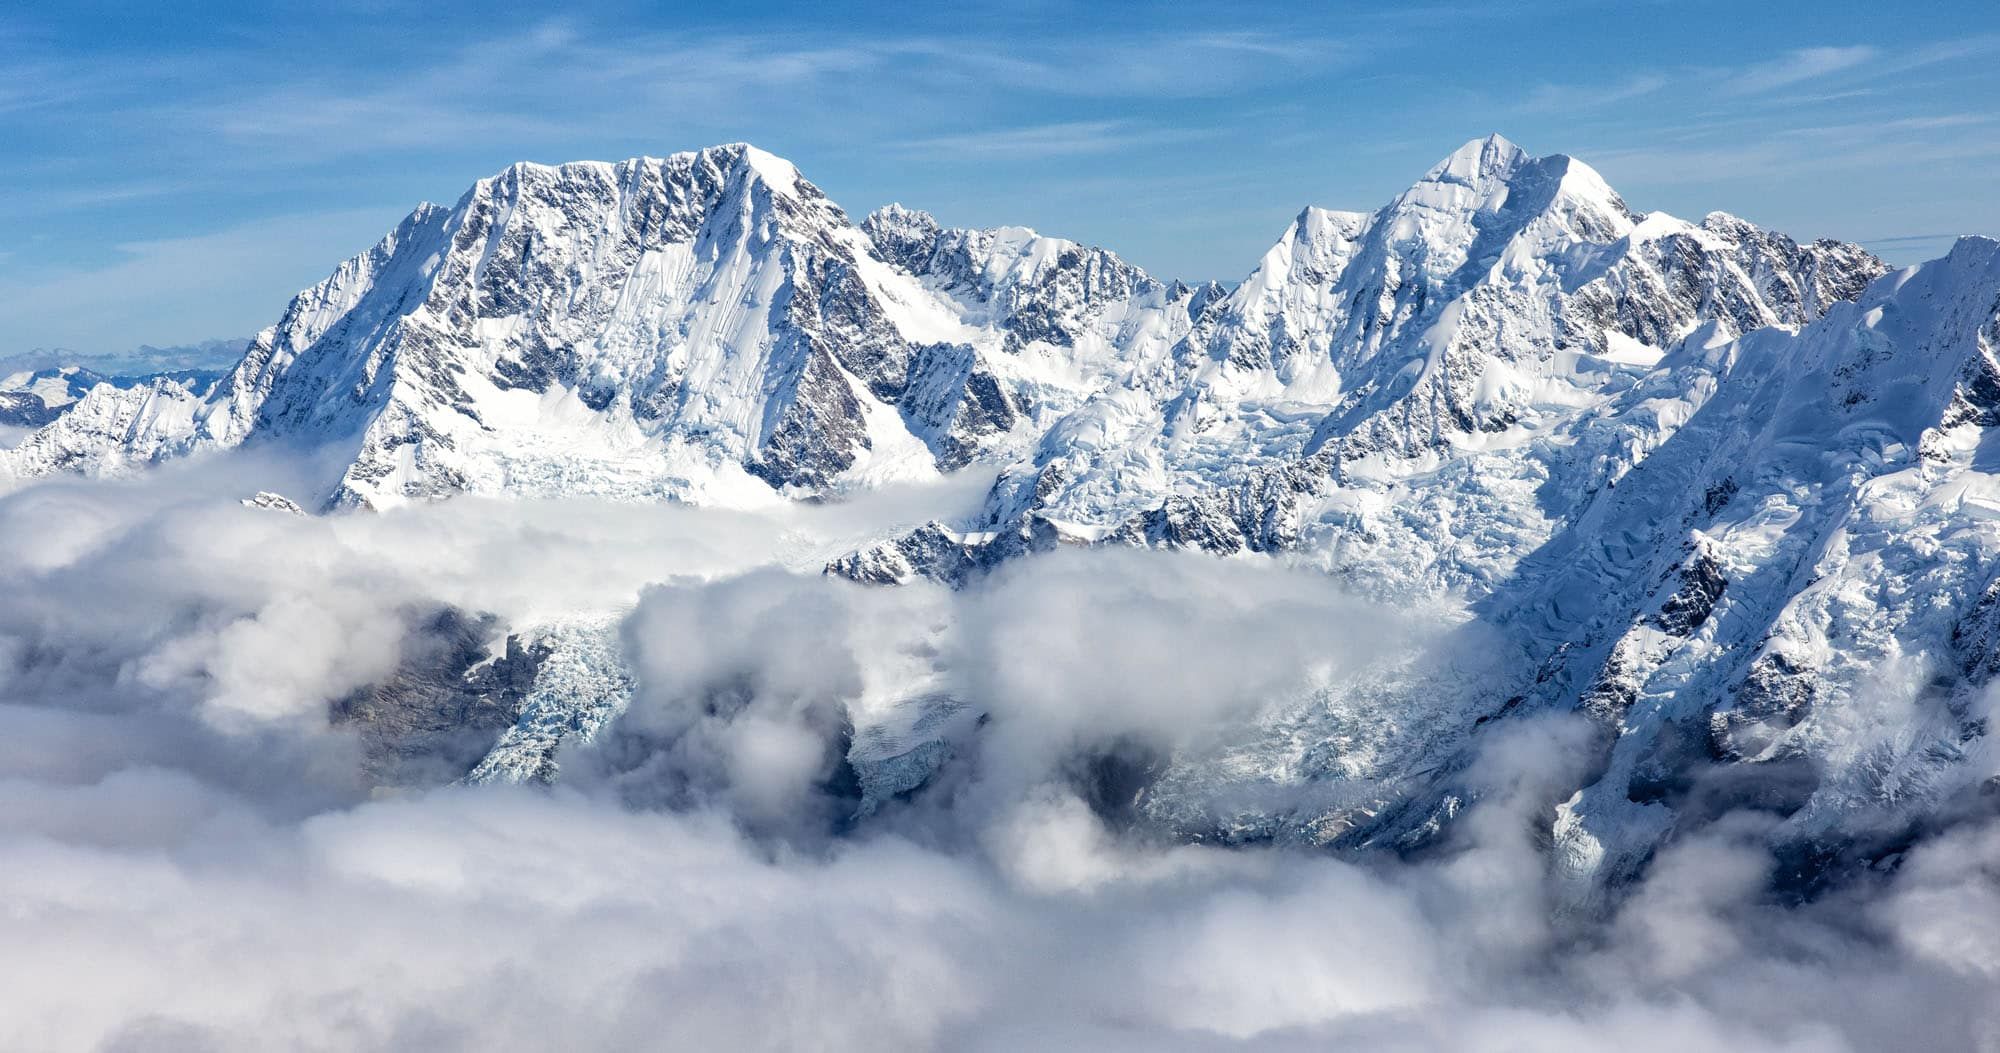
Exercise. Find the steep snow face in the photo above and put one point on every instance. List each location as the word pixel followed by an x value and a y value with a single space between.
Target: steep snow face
pixel 1783 598
pixel 695 327
pixel 1036 290
pixel 707 327
pixel 1056 323
pixel 110 431
pixel 1810 595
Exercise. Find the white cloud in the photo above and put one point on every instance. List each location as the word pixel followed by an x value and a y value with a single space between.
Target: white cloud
pixel 1801 65
pixel 1558 98
pixel 178 874
pixel 1048 140
pixel 183 289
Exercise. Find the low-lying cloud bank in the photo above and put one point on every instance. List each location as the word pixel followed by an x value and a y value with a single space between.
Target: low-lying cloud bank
pixel 191 858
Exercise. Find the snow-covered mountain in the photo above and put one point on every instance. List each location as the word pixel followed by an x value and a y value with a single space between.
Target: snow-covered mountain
pixel 1497 301
pixel 1764 569
pixel 38 386
pixel 707 327
pixel 1698 481
pixel 34 397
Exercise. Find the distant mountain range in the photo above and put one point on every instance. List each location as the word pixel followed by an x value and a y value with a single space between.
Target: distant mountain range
pixel 37 386
pixel 145 360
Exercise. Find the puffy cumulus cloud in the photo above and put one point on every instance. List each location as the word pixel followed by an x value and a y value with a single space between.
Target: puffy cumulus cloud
pixel 1052 842
pixel 1947 908
pixel 490 919
pixel 1156 649
pixel 191 858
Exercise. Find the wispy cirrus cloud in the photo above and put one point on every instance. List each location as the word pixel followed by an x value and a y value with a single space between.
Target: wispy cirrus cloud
pixel 1968 46
pixel 1906 246
pixel 1144 65
pixel 1798 66
pixel 167 286
pixel 501 87
pixel 555 90
pixel 1794 69
pixel 1049 140
pixel 1785 152
pixel 1912 239
pixel 1549 98
pixel 1877 129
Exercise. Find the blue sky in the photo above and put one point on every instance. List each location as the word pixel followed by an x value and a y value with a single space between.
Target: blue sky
pixel 176 172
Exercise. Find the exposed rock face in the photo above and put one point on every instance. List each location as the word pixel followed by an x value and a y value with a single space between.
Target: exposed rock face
pixel 1695 493
pixel 448 703
pixel 271 502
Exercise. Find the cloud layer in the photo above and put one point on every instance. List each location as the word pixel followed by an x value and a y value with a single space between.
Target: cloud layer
pixel 190 859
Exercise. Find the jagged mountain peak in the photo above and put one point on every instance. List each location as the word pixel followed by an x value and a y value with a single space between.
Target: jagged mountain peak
pixel 1496 304
pixel 1496 177
pixel 734 162
pixel 1346 284
pixel 775 170
pixel 1492 156
pixel 1974 250
pixel 671 195
pixel 1483 164
pixel 1696 487
pixel 1316 226
pixel 1037 288
pixel 1491 202
pixel 895 216
pixel 905 234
